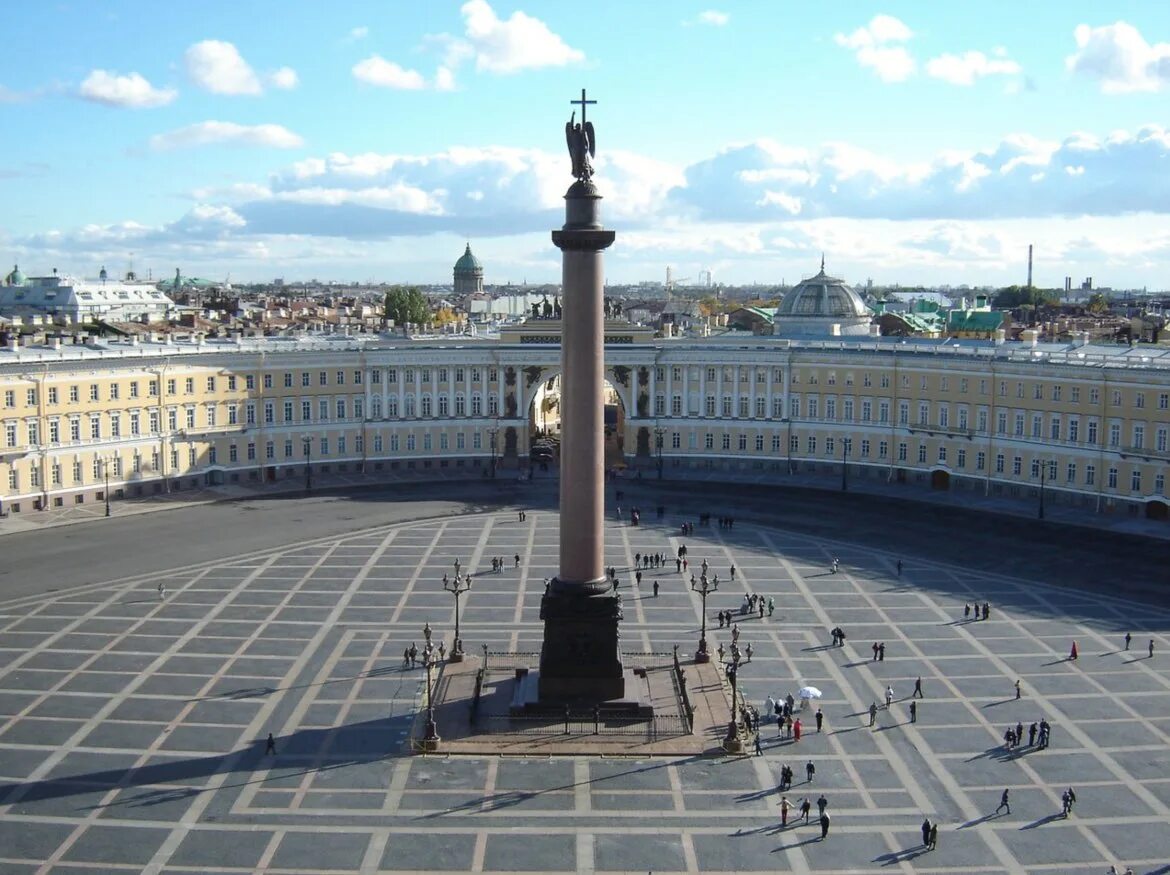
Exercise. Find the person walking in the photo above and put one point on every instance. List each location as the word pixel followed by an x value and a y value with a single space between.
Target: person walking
pixel 1003 803
pixel 824 826
pixel 655 589
pixel 889 697
pixel 785 805
pixel 933 843
pixel 918 688
pixel 805 808
pixel 1019 733
pixel 771 605
pixel 759 750
pixel 809 770
pixel 875 651
pixel 913 711
pixel 882 652
pixel 270 745
pixel 1032 735
pixel 926 832
pixel 162 590
pixel 413 655
pixel 822 804
pixel 1072 800
pixel 517 558
pixel 796 730
pixel 1151 648
pixel 1017 688
pixel 820 719
pixel 872 713
pixel 1128 638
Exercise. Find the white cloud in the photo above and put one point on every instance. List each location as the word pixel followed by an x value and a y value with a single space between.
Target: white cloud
pixel 444 79
pixel 510 45
pixel 871 45
pixel 359 33
pixel 964 69
pixel 228 133
pixel 712 18
pixel 131 91
pixel 1118 56
pixel 218 67
pixel 376 70
pixel 285 78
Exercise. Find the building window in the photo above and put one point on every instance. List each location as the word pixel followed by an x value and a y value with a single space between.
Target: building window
pixel 794 444
pixel 999 460
pixel 251 451
pixel 1018 466
pixel 759 443
pixel 903 450
pixel 961 461
pixel 742 443
pixel 1071 472
pixel 1112 478
pixel 323 378
pixel 233 453
pixel 709 441
pixel 1160 484
pixel 922 454
pixel 811 445
pixel 830 447
pixel 676 440
pixel 1090 474
pixel 270 450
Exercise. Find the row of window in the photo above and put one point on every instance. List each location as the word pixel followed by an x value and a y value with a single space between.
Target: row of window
pixel 212 383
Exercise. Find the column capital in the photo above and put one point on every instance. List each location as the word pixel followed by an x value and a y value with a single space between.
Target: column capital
pixel 584 240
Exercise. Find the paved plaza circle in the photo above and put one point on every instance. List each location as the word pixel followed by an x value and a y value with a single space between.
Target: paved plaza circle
pixel 133 719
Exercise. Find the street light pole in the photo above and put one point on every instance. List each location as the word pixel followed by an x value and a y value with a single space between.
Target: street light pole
pixel 659 431
pixel 492 438
pixel 457 587
pixel 732 742
pixel 308 442
pixel 1043 467
pixel 106 471
pixel 703 588
pixel 844 464
pixel 431 739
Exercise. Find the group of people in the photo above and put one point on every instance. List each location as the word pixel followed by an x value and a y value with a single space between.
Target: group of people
pixel 929 834
pixel 879 651
pixel 649 560
pixel 498 563
pixel 806 809
pixel 1038 735
pixel 838 636
pixel 982 612
pixel 753 603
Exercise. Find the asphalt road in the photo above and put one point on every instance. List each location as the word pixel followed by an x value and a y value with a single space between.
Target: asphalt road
pixel 32 563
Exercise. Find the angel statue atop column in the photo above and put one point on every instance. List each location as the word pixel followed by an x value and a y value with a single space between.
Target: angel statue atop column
pixel 582 146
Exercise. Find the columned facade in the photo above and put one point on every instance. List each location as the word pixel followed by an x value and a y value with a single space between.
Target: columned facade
pixel 1094 421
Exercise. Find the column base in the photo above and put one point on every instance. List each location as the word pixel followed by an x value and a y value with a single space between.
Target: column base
pixel 580 660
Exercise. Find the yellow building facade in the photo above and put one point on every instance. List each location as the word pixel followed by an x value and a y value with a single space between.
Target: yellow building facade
pixel 1091 423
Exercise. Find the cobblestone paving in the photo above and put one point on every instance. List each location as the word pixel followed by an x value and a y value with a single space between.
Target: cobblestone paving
pixel 132 724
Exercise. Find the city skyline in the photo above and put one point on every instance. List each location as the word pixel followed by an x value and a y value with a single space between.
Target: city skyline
pixel 369 142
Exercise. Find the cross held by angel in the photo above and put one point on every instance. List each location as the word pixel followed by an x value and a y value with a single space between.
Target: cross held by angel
pixel 581 140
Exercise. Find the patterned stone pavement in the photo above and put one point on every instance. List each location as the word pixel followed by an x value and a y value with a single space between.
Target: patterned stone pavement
pixel 132 725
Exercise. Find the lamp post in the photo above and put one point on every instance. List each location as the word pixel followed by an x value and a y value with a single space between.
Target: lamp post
pixel 732 742
pixel 659 431
pixel 703 588
pixel 106 472
pixel 431 738
pixel 492 440
pixel 844 464
pixel 308 442
pixel 1043 471
pixel 457 587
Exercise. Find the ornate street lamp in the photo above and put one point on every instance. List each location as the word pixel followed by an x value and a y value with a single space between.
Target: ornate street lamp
pixel 659 431
pixel 703 588
pixel 431 738
pixel 732 743
pixel 308 442
pixel 492 439
pixel 106 471
pixel 457 587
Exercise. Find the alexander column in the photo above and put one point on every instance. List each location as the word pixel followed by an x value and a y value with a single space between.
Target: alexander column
pixel 580 660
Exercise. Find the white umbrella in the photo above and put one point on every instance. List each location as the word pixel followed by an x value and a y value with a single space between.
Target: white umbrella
pixel 810 693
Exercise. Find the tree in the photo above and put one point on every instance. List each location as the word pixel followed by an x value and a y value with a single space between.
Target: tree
pixel 407 304
pixel 1013 297
pixel 1097 303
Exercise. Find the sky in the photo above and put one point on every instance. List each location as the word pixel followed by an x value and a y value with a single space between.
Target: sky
pixel 368 140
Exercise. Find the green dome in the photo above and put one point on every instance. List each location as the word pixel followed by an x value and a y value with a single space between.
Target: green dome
pixel 468 263
pixel 16 278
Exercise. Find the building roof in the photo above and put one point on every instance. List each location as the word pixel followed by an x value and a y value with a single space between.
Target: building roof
pixel 16 278
pixel 974 320
pixel 468 263
pixel 822 296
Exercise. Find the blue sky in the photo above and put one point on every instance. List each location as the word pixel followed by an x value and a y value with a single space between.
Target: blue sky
pixel 367 140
